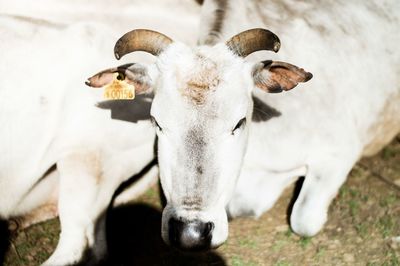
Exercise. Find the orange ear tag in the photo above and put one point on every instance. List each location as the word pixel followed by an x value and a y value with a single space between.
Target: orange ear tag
pixel 119 89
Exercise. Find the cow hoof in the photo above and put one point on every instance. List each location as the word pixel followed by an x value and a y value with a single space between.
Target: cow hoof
pixel 307 223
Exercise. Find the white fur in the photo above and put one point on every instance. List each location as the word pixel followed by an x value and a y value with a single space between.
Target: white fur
pixel 49 116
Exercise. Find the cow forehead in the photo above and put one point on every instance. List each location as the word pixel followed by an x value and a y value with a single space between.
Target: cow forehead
pixel 195 73
pixel 206 84
pixel 201 80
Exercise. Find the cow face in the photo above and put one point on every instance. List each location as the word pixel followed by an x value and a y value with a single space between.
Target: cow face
pixel 202 110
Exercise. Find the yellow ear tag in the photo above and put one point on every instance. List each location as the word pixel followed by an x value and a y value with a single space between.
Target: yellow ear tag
pixel 119 89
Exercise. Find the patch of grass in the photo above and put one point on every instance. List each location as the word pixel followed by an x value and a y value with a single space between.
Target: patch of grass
pixel 24 250
pixel 304 242
pixel 386 225
pixel 356 171
pixel 42 255
pixel 364 198
pixel 320 252
pixel 238 261
pixel 362 229
pixel 288 233
pixel 354 193
pixel 354 208
pixel 392 259
pixel 279 244
pixel 388 153
pixel 33 245
pixel 282 263
pixel 247 243
pixel 388 200
pixel 344 191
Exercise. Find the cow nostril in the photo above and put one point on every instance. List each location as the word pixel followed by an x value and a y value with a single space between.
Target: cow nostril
pixel 208 229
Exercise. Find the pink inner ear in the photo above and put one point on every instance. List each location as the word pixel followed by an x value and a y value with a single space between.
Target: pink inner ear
pixel 101 79
pixel 136 76
pixel 286 79
pixel 280 76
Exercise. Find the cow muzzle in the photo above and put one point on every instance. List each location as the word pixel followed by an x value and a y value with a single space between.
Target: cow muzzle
pixel 194 230
pixel 190 236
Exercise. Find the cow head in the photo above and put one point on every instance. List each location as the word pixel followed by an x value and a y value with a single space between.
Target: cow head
pixel 201 110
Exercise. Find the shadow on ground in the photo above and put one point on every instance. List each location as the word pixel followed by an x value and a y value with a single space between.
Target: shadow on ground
pixel 4 240
pixel 134 238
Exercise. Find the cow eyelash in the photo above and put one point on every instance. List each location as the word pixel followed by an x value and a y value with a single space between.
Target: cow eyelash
pixel 154 121
pixel 240 124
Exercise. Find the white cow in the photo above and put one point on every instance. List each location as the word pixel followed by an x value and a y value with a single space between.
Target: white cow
pixel 61 151
pixel 228 141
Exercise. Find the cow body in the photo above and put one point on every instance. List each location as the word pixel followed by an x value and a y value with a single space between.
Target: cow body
pixel 62 152
pixel 348 110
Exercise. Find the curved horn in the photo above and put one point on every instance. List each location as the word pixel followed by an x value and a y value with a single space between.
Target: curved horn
pixel 141 40
pixel 253 40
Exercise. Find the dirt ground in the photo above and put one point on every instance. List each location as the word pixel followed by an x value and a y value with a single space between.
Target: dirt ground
pixel 363 229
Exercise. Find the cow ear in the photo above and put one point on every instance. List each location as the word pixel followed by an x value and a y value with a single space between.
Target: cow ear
pixel 275 76
pixel 133 74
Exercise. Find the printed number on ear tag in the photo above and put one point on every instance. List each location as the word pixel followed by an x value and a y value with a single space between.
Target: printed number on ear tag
pixel 119 89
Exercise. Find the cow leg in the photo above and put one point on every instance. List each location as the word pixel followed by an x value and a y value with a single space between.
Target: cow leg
pixel 79 206
pixel 39 205
pixel 320 186
pixel 258 190
pixel 87 184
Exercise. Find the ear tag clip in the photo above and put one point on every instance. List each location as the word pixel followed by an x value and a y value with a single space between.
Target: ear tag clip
pixel 119 89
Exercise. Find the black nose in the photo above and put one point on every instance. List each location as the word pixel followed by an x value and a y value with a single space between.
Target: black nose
pixel 190 236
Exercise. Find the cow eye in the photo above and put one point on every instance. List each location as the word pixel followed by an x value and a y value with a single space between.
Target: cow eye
pixel 120 76
pixel 240 124
pixel 154 121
